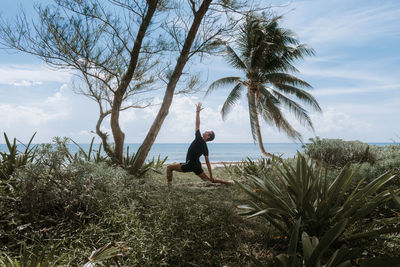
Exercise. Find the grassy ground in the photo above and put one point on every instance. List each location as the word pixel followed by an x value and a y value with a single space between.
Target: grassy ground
pixel 193 223
pixel 190 223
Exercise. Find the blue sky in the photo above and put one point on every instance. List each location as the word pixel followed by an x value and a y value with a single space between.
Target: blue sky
pixel 355 75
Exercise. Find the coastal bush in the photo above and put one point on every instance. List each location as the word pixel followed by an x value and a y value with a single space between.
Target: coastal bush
pixel 388 159
pixel 337 153
pixel 304 190
pixel 54 190
pixel 250 167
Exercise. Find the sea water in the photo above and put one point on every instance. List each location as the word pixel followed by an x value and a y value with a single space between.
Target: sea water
pixel 217 151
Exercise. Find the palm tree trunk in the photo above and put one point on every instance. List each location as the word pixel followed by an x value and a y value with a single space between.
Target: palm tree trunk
pixel 257 126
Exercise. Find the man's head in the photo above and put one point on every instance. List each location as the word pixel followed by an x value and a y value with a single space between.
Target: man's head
pixel 208 136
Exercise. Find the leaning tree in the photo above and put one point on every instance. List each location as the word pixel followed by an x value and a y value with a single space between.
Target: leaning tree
pixel 120 49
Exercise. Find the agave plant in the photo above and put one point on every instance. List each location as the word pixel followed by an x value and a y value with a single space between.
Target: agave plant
pixel 286 193
pixel 318 253
pixel 91 155
pixel 13 159
pixel 128 161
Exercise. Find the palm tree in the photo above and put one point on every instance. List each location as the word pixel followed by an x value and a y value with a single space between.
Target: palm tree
pixel 266 56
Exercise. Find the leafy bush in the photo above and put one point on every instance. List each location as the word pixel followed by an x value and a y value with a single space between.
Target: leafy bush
pixel 56 189
pixel 50 185
pixel 337 153
pixel 305 191
pixel 388 159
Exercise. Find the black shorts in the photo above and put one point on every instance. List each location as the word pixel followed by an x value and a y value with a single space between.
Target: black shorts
pixel 192 166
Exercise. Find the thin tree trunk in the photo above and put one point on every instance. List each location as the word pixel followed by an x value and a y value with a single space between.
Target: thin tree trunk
pixel 257 126
pixel 117 132
pixel 169 93
pixel 103 135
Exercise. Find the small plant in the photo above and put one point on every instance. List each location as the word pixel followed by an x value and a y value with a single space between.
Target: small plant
pixel 39 257
pixel 250 167
pixel 128 161
pixel 108 251
pixel 91 155
pixel 14 159
pixel 289 192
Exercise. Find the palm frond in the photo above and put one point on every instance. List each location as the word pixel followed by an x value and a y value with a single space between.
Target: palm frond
pixel 285 78
pixel 221 83
pixel 303 50
pixel 234 59
pixel 303 95
pixel 268 107
pixel 299 112
pixel 232 99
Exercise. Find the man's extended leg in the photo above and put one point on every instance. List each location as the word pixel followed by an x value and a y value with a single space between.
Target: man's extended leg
pixel 213 180
pixel 170 169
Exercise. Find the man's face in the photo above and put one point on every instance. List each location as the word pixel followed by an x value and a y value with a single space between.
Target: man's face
pixel 206 135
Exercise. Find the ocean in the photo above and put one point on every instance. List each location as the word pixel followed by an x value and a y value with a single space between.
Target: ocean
pixel 217 151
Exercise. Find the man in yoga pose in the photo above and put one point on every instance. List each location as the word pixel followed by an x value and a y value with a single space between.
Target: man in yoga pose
pixel 196 149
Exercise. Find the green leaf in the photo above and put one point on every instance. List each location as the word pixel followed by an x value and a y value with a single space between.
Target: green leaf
pixel 308 248
pixel 326 241
pixel 395 197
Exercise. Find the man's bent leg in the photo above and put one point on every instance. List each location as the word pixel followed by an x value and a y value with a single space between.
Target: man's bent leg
pixel 170 169
pixel 213 180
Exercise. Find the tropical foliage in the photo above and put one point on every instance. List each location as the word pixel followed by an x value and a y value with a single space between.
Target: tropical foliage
pixel 12 159
pixel 265 53
pixel 304 190
pixel 315 252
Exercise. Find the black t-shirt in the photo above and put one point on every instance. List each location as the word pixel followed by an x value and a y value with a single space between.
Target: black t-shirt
pixel 197 148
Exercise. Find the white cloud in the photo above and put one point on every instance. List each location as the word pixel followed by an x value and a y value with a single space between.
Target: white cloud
pixel 25 83
pixel 353 90
pixel 29 118
pixel 30 75
pixel 342 21
pixel 26 115
pixel 334 122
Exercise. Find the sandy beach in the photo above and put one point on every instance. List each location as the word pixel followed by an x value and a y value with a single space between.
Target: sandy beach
pixel 217 164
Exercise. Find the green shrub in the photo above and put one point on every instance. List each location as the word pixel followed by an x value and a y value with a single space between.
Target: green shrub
pixel 305 191
pixel 337 153
pixel 388 159
pixel 14 159
pixel 55 189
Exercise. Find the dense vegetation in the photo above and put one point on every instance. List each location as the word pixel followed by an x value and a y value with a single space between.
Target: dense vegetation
pixel 63 209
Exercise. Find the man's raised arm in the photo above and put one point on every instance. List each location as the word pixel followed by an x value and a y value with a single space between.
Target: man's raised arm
pixel 198 109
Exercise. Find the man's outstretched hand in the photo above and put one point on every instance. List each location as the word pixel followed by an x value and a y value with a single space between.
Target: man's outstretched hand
pixel 198 107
